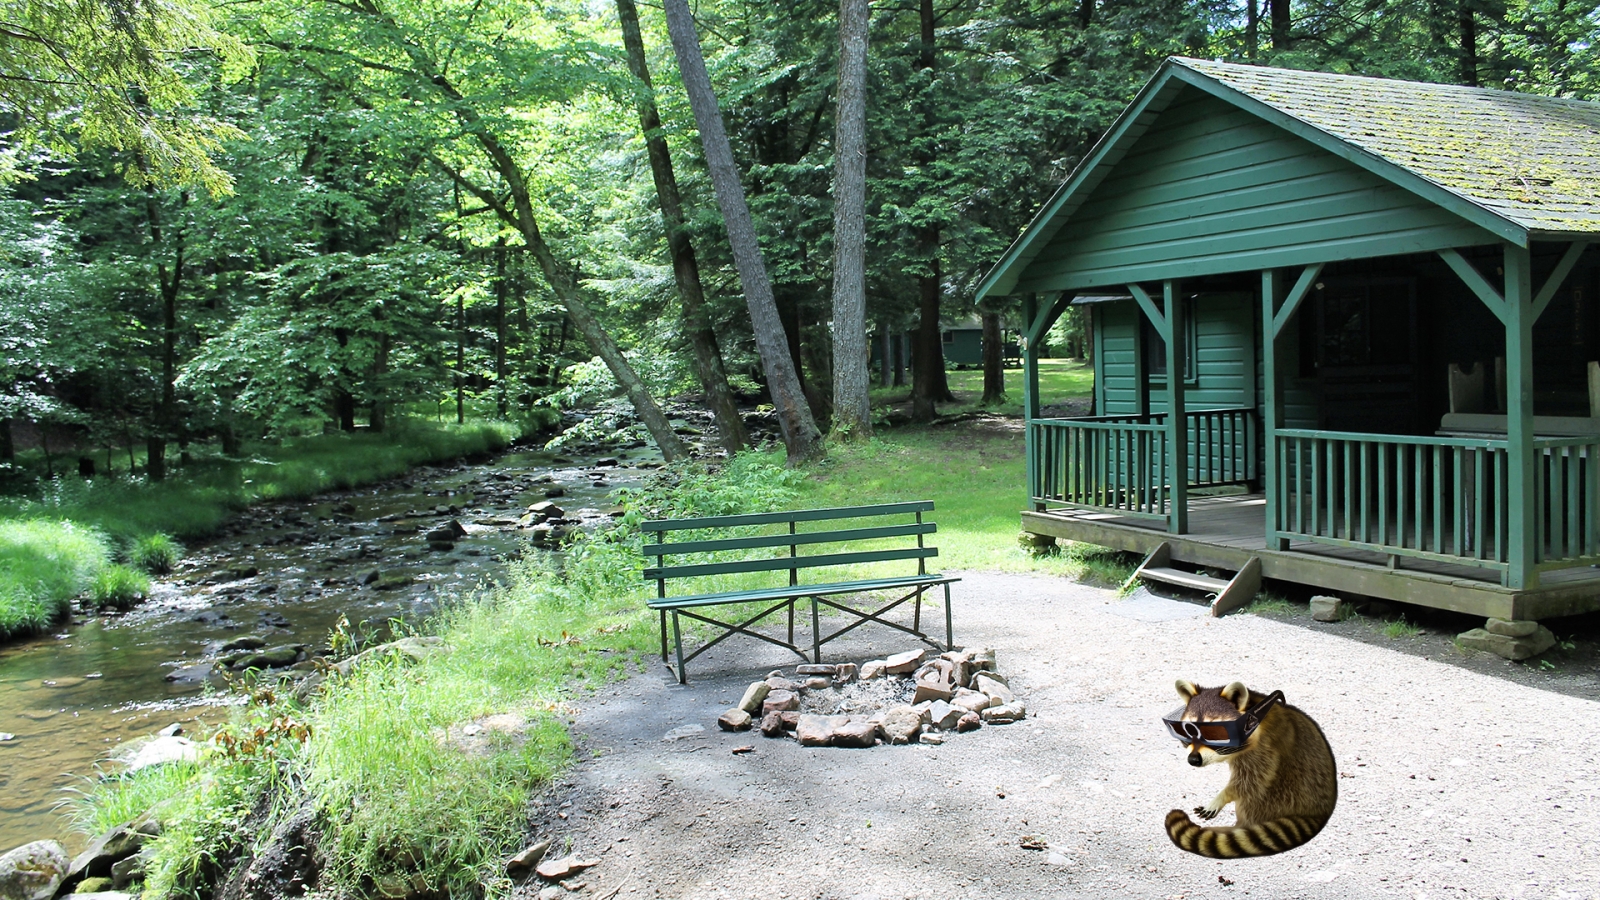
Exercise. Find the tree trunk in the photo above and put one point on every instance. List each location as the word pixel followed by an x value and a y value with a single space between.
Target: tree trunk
pixel 344 402
pixel 899 360
pixel 801 439
pixel 165 417
pixel 1469 45
pixel 1281 23
pixel 500 327
pixel 1086 12
pixel 378 412
pixel 685 266
pixel 461 360
pixel 994 361
pixel 885 351
pixel 1252 28
pixel 928 384
pixel 8 450
pixel 852 407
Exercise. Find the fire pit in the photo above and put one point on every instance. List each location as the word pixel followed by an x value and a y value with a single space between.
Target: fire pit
pixel 906 698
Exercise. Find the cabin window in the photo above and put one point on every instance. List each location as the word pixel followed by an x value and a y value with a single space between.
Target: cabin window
pixel 1358 322
pixel 949 337
pixel 1155 348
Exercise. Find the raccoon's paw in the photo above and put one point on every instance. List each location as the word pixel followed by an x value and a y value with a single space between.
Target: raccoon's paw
pixel 1206 812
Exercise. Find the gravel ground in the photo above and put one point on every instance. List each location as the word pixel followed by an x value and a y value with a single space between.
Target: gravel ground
pixel 1455 780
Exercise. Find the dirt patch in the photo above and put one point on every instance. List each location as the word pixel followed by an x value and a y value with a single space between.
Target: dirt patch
pixel 1454 782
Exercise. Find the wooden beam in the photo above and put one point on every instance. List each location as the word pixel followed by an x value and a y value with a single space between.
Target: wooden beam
pixel 1149 307
pixel 1522 507
pixel 1272 404
pixel 1177 422
pixel 1047 316
pixel 1553 283
pixel 1030 392
pixel 1302 287
pixel 1469 273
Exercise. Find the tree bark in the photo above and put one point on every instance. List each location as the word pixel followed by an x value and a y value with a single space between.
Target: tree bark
pixel 1086 12
pixel 461 359
pixel 852 407
pixel 928 383
pixel 8 450
pixel 1252 28
pixel 500 327
pixel 801 439
pixel 1281 23
pixel 994 361
pixel 685 266
pixel 170 281
pixel 1469 45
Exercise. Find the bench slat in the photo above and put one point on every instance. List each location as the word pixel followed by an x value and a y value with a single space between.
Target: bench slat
pixel 794 515
pixel 787 562
pixel 800 590
pixel 784 540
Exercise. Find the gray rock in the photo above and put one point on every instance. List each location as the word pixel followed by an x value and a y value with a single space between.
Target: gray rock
pixel 127 871
pixel 969 721
pixel 32 871
pixel 972 701
pixel 816 669
pixel 111 847
pixel 779 683
pixel 929 737
pixel 994 688
pixel 1516 628
pixel 734 719
pixel 901 725
pixel 190 674
pixel 249 642
pixel 818 683
pixel 172 730
pixel 1508 647
pixel 856 733
pixel 874 669
pixel 156 751
pixel 904 663
pixel 928 689
pixel 92 886
pixel 944 716
pixel 102 895
pixel 278 657
pixel 409 649
pixel 1331 609
pixel 1000 715
pixel 845 674
pixel 772 724
pixel 817 731
pixel 524 862
pixel 983 659
pixel 754 696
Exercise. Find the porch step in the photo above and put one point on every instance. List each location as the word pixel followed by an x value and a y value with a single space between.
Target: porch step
pixel 1193 580
pixel 1229 594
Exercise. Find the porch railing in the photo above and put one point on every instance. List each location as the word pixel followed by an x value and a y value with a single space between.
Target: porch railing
pixel 1568 490
pixel 1122 464
pixel 1427 497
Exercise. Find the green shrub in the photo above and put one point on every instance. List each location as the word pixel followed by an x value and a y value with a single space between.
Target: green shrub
pixel 44 563
pixel 118 587
pixel 155 553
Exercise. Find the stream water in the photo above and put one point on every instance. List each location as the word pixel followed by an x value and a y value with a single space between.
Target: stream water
pixel 286 573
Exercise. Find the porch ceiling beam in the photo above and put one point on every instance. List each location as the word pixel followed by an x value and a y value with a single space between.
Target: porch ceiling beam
pixel 1150 309
pixel 1469 273
pixel 1302 287
pixel 1049 312
pixel 1553 283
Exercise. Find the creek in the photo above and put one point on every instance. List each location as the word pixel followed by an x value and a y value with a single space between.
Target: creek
pixel 287 573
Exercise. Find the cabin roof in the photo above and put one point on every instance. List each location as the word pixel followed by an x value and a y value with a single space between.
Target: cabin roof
pixel 1518 166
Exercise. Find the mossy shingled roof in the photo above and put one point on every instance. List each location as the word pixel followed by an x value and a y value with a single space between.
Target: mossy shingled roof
pixel 1533 160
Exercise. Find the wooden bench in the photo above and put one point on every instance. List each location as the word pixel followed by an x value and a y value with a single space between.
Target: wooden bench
pixel 725 552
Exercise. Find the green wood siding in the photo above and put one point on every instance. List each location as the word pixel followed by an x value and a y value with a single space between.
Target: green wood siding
pixel 1225 355
pixel 1210 189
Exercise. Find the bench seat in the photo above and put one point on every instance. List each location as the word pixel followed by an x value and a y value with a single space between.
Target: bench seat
pixel 797 591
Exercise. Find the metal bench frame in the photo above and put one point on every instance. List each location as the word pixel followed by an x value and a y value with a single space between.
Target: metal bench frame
pixel 820 594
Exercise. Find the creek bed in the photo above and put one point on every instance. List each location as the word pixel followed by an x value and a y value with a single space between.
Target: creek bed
pixel 286 573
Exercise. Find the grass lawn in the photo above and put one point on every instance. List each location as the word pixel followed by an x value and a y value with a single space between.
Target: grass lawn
pixel 1059 380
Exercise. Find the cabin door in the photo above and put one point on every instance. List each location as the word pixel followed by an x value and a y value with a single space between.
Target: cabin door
pixel 1358 346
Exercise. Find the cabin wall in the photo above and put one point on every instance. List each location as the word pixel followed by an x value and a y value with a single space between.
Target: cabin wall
pixel 1210 189
pixel 1225 374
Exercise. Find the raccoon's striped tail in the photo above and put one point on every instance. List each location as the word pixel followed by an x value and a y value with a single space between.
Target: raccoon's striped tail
pixel 1260 839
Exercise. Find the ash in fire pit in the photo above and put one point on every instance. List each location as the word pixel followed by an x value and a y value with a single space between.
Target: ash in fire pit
pixel 906 698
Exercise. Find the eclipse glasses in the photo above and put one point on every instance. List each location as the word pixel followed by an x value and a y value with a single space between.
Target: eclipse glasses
pixel 1230 733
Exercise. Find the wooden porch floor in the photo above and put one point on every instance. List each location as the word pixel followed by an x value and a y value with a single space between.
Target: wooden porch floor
pixel 1226 531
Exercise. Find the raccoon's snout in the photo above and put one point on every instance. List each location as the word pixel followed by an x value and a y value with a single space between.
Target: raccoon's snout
pixel 1195 760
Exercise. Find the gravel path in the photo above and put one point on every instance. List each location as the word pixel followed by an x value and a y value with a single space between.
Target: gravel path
pixel 1454 783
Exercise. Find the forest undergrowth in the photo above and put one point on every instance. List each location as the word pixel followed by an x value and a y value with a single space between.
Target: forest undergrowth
pixel 402 800
pixel 99 538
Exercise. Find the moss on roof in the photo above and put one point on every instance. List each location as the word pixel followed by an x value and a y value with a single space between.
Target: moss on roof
pixel 1533 160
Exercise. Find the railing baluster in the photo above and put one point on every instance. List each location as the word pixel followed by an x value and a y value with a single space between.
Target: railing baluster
pixel 1569 465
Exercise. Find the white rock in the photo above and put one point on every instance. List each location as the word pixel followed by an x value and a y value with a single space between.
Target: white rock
pixel 33 871
pixel 157 751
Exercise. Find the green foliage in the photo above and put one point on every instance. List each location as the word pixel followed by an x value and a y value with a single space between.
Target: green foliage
pixel 1400 628
pixel 103 804
pixel 155 553
pixel 118 587
pixel 1270 604
pixel 44 564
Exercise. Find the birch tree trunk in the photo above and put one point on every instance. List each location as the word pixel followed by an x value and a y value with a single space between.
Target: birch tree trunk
pixel 852 408
pixel 801 439
pixel 685 268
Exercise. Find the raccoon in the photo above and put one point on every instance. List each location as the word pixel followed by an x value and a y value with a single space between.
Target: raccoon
pixel 1283 784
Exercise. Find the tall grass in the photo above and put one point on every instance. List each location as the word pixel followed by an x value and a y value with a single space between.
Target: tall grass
pixel 44 564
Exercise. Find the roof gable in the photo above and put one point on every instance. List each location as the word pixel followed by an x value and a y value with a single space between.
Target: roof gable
pixel 1354 119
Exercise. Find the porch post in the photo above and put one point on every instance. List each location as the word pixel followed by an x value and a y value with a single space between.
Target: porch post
pixel 1030 392
pixel 1522 506
pixel 1177 422
pixel 1272 411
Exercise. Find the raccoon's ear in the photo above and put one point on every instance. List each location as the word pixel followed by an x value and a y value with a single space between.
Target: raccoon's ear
pixel 1187 689
pixel 1237 694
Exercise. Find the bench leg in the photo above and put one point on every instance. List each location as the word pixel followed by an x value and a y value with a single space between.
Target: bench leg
pixel 916 615
pixel 677 637
pixel 816 633
pixel 949 632
pixel 791 620
pixel 663 635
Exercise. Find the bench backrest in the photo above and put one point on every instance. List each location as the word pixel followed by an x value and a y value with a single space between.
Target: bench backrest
pixel 662 549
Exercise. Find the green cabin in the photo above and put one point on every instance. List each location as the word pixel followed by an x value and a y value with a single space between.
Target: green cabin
pixel 1346 335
